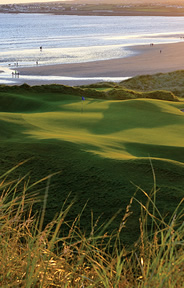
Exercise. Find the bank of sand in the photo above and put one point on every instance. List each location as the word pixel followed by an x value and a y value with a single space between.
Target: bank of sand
pixel 150 59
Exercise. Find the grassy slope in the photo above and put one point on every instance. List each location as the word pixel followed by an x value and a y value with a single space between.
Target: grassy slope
pixel 100 147
pixel 173 81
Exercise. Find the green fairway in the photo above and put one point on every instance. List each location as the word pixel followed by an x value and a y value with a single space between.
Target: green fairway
pixel 100 147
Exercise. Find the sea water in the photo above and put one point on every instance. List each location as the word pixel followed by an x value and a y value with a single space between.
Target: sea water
pixel 75 39
pixel 71 39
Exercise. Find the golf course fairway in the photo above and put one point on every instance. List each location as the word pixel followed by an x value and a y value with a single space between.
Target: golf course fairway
pixel 103 149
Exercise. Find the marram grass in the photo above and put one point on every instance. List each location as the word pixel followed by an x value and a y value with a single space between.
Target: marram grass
pixel 35 256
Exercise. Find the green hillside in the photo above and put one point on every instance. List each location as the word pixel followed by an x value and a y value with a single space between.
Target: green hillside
pixel 173 81
pixel 102 146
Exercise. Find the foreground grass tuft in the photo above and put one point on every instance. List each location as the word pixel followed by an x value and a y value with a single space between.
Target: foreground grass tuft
pixel 35 256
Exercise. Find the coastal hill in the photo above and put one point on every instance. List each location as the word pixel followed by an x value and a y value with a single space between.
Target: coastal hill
pixel 101 7
pixel 172 81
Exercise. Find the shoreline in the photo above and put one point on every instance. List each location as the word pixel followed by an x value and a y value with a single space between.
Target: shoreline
pixel 93 13
pixel 117 9
pixel 150 59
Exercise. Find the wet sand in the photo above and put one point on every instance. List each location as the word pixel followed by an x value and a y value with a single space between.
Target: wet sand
pixel 150 59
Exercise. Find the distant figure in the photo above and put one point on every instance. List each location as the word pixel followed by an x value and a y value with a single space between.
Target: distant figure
pixel 40 48
pixel 16 74
pixel 160 51
pixel 36 62
pixel 82 104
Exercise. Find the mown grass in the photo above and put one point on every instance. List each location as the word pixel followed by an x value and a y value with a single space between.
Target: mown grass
pixel 100 146
pixel 35 256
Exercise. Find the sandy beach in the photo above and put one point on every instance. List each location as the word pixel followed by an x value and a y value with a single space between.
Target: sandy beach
pixel 150 59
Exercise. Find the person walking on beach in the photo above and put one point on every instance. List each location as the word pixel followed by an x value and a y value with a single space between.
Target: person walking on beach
pixel 40 48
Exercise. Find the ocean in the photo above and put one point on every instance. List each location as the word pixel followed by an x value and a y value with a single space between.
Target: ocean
pixel 75 39
pixel 71 39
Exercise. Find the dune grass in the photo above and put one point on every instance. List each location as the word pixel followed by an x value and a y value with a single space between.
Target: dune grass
pixel 172 81
pixel 100 146
pixel 35 256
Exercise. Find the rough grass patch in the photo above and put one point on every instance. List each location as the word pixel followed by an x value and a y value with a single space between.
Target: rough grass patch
pixel 33 256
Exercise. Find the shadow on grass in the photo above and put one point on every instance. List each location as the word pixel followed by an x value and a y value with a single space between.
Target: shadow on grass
pixel 134 114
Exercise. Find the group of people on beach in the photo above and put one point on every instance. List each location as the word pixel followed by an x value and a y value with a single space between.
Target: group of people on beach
pixel 15 74
pixel 15 64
